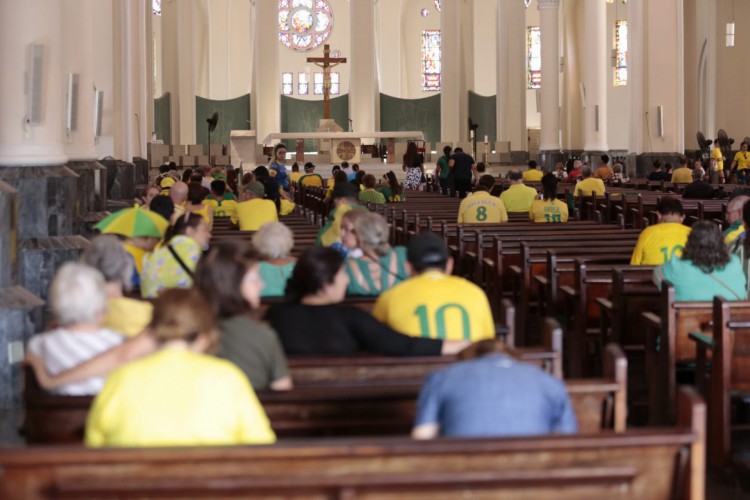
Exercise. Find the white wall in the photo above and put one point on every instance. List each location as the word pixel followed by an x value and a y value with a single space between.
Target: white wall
pixel 103 73
pixel 485 49
pixel 533 116
pixel 618 98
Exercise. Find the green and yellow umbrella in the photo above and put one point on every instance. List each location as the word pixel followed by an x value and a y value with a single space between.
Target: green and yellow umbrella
pixel 134 222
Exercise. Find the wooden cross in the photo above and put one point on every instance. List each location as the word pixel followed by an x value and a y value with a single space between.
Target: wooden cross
pixel 326 62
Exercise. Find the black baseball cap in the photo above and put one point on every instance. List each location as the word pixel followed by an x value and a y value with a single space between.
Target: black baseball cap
pixel 427 250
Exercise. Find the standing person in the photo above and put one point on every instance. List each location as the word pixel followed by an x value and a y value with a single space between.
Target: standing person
pixel 414 167
pixel 462 165
pixel 717 161
pixel 549 208
pixel 432 303
pixel 178 395
pixel 481 206
pixel 660 242
pixel 742 164
pixel 442 170
pixel 488 393
pixel 278 166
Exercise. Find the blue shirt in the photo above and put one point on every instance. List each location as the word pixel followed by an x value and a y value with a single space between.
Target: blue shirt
pixel 282 176
pixel 495 396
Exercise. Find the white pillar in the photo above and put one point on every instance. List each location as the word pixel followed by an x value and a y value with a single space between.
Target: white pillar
pixel 450 74
pixel 595 76
pixel 363 86
pixel 133 82
pixel 22 24
pixel 656 77
pixel 550 137
pixel 511 81
pixel 78 59
pixel 266 108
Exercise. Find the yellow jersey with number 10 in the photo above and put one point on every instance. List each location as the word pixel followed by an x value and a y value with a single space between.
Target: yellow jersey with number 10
pixel 659 243
pixel 438 306
pixel 549 211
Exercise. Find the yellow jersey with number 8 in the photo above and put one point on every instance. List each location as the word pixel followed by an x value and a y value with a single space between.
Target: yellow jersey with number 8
pixel 481 206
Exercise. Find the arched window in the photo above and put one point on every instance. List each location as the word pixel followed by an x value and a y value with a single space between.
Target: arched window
pixel 621 53
pixel 534 57
pixel 430 60
pixel 304 24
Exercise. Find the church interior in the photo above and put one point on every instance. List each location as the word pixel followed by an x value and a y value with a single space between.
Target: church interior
pixel 97 95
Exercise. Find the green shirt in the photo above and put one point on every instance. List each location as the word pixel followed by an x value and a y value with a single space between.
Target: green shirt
pixel 371 196
pixel 444 169
pixel 368 277
pixel 274 278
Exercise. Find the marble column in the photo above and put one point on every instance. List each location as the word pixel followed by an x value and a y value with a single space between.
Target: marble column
pixel 363 86
pixel 595 72
pixel 266 107
pixel 656 81
pixel 549 146
pixel 511 81
pixel 450 74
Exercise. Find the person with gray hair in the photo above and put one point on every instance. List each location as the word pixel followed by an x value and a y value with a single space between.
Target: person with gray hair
pixel 273 242
pixel 78 302
pixel 698 189
pixel 381 267
pixel 589 185
pixel 124 315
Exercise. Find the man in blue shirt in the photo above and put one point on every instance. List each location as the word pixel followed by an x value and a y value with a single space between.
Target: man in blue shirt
pixel 492 395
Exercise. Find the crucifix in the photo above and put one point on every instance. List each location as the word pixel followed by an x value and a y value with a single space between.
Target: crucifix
pixel 326 62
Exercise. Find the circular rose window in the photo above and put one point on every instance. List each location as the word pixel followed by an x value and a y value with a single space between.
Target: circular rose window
pixel 304 24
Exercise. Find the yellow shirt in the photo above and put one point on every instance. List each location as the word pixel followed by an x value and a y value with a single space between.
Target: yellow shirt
pixel 294 176
pixel 128 316
pixel 546 211
pixel 518 198
pixel 436 305
pixel 287 207
pixel 742 159
pixel 482 207
pixel 222 208
pixel 532 175
pixel 718 155
pixel 252 214
pixel 138 255
pixel 659 243
pixel 311 180
pixel 176 397
pixel 588 186
pixel 682 175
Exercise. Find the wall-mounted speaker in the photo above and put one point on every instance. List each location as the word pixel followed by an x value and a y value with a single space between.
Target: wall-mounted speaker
pixel 34 74
pixel 71 103
pixel 98 108
pixel 582 90
pixel 538 100
pixel 660 120
pixel 596 118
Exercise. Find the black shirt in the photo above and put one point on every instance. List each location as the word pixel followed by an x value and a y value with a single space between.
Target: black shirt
pixel 336 329
pixel 698 190
pixel 462 166
pixel 659 176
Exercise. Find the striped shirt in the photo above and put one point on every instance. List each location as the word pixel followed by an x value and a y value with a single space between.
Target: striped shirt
pixel 371 196
pixel 61 350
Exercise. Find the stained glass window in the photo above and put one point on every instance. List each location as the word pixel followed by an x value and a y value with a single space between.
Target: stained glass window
pixel 621 53
pixel 287 84
pixel 335 84
pixel 304 24
pixel 430 60
pixel 437 5
pixel 318 84
pixel 534 56
pixel 303 87
pixel 156 7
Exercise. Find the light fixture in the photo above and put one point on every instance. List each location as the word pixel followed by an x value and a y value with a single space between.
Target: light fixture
pixel 730 30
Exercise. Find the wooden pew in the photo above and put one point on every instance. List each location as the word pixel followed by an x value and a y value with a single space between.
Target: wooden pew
pixel 730 373
pixel 668 347
pixel 647 464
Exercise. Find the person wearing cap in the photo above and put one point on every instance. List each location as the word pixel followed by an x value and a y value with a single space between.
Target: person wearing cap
pixel 310 179
pixel 254 211
pixel 432 303
pixel 344 199
pixel 481 206
pixel 488 393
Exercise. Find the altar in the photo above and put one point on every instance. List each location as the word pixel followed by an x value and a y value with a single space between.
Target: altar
pixel 347 146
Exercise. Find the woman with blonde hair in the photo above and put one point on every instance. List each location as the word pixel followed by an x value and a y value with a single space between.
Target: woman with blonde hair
pixel 273 242
pixel 380 267
pixel 178 396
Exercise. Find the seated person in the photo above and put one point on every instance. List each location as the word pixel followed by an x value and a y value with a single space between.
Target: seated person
pixel 490 394
pixel 344 199
pixel 178 396
pixel 78 304
pixel 369 194
pixel 381 266
pixel 296 174
pixel 549 208
pixel 273 243
pixel 197 204
pixel 393 192
pixel 589 185
pixel 480 206
pixel 518 197
pixel 253 210
pixel 124 315
pixel 339 178
pixel 533 174
pixel 604 172
pixel 706 268
pixel 660 242
pixel 348 245
pixel 433 303
pixel 699 189
pixel 221 202
pixel 310 178
pixel 314 323
pixel 657 174
pixel 682 174
pixel 172 265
